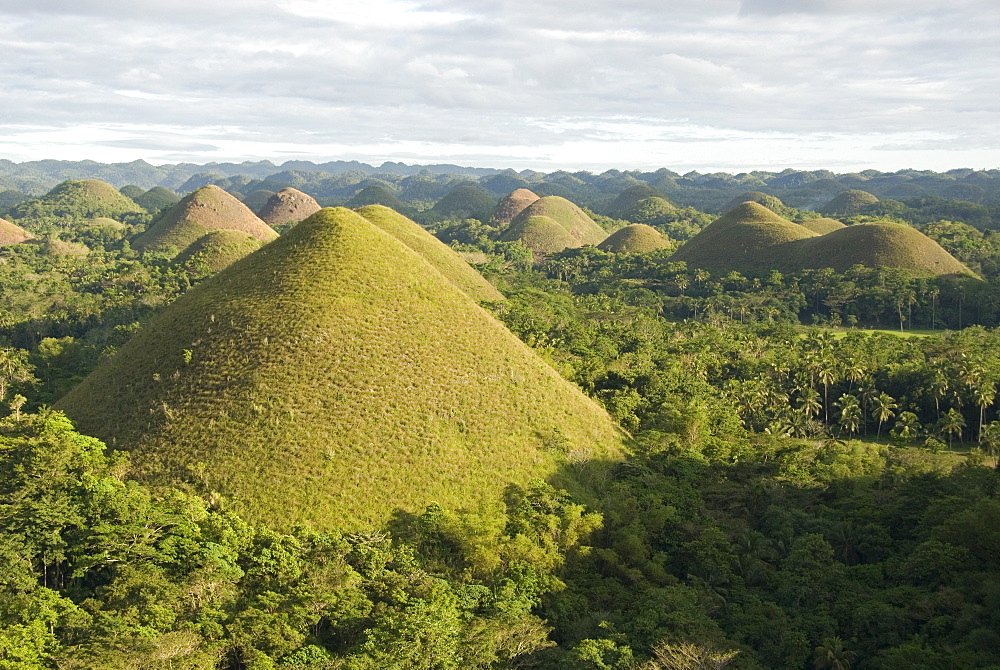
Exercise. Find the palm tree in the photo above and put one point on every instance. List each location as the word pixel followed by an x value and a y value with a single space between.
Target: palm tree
pixel 850 413
pixel 809 403
pixel 882 406
pixel 989 439
pixel 985 393
pixel 907 426
pixel 952 423
pixel 832 655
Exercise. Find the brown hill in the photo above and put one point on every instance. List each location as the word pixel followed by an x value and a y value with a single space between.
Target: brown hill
pixel 209 208
pixel 511 205
pixel 287 206
pixel 12 234
pixel 332 377
pixel 637 238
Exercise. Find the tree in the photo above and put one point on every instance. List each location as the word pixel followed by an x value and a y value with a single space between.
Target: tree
pixel 907 426
pixel 832 655
pixel 850 413
pixel 689 656
pixel 952 424
pixel 882 406
pixel 809 402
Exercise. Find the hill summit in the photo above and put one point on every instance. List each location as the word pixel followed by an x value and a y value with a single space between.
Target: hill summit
pixel 78 199
pixel 575 227
pixel 511 205
pixel 332 377
pixel 637 238
pixel 206 209
pixel 287 206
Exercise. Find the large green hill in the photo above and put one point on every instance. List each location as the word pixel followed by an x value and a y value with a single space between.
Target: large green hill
pixel 209 208
pixel 579 228
pixel 751 238
pixel 637 238
pixel 334 376
pixel 76 200
pixel 216 250
pixel 440 255
pixel 376 195
pixel 464 202
pixel 848 203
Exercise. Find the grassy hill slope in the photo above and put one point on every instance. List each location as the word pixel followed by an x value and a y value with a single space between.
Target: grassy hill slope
pixel 78 199
pixel 376 195
pixel 216 250
pixel 511 205
pixel 464 202
pixel 822 226
pixel 332 377
pixel 848 203
pixel 12 234
pixel 740 239
pixel 440 255
pixel 580 229
pixel 637 238
pixel 208 208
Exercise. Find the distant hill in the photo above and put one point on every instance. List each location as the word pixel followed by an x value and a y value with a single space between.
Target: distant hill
pixel 257 199
pixel 157 199
pixel 578 228
pixel 332 377
pixel 439 254
pixel 376 195
pixel 209 208
pixel 76 200
pixel 464 202
pixel 637 238
pixel 628 199
pixel 511 205
pixel 216 250
pixel 751 238
pixel 848 203
pixel 12 234
pixel 822 226
pixel 771 202
pixel 286 206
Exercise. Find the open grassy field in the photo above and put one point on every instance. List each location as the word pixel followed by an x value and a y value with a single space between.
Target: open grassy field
pixel 332 377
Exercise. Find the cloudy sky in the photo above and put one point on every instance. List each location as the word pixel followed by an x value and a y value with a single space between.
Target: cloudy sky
pixel 711 85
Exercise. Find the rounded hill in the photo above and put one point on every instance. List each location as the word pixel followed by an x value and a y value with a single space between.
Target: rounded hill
pixel 879 244
pixel 439 254
pixel 464 202
pixel 257 199
pixel 740 240
pixel 376 195
pixel 12 234
pixel 511 205
pixel 628 199
pixel 78 199
pixel 637 238
pixel 848 203
pixel 287 206
pixel 215 251
pixel 209 208
pixel 773 203
pixel 579 228
pixel 157 199
pixel 332 377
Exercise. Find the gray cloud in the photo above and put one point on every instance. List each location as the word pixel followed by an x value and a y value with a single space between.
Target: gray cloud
pixel 434 76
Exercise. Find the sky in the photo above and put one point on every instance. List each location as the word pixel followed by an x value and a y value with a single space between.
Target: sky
pixel 709 85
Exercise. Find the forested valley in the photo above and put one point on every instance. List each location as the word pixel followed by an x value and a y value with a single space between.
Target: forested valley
pixel 812 478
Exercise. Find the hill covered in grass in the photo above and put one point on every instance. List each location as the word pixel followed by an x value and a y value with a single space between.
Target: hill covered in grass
pixel 848 203
pixel 511 205
pixel 376 195
pixel 540 236
pixel 77 199
pixel 439 254
pixel 637 238
pixel 216 250
pixel 331 377
pixel 157 199
pixel 12 234
pixel 287 206
pixel 629 199
pixel 822 226
pixel 209 208
pixel 773 203
pixel 740 240
pixel 464 202
pixel 751 238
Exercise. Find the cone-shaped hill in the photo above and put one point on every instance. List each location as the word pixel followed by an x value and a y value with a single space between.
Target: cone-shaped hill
pixel 635 239
pixel 740 239
pixel 12 234
pixel 822 226
pixel 579 228
pixel 79 199
pixel 287 206
pixel 216 250
pixel 628 200
pixel 879 244
pixel 511 205
pixel 440 255
pixel 157 199
pixel 848 203
pixel 331 377
pixel 751 238
pixel 209 208
pixel 773 203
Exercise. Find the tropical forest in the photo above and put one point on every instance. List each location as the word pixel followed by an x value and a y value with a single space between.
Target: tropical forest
pixel 341 416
